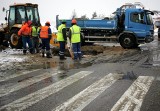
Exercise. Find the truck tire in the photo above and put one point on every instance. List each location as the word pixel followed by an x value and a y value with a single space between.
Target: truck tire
pixel 15 41
pixel 3 40
pixel 127 41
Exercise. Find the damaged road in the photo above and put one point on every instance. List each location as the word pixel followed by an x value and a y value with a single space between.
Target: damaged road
pixel 108 78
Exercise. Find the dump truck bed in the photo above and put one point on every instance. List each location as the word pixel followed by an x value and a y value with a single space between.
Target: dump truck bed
pixel 93 24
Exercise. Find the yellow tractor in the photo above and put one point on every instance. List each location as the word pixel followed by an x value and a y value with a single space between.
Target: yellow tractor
pixel 15 17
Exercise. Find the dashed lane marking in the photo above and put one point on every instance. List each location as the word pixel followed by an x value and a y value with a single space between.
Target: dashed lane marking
pixel 82 99
pixel 29 100
pixel 132 99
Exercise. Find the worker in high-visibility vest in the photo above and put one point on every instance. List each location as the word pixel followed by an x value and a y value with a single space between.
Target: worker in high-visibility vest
pixel 25 32
pixel 75 37
pixel 45 35
pixel 61 38
pixel 35 38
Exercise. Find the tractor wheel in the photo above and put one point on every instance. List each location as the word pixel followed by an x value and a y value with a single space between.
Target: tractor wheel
pixel 127 41
pixel 15 41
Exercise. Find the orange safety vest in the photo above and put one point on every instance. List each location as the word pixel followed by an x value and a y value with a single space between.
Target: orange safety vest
pixel 44 32
pixel 25 30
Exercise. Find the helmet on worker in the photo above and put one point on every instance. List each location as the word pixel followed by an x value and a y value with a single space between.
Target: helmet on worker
pixel 74 21
pixel 47 23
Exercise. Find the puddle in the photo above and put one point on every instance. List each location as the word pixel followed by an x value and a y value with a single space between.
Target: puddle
pixel 64 65
pixel 129 76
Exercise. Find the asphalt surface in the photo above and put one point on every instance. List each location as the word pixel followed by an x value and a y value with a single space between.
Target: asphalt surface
pixel 115 80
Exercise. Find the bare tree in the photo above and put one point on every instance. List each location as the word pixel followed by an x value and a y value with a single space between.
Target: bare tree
pixel 94 15
pixel 84 17
pixel 101 15
pixel 74 14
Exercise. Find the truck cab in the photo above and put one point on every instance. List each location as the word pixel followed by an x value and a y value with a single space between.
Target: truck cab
pixel 138 28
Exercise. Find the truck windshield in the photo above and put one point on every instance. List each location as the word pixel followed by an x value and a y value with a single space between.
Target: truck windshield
pixel 149 18
pixel 32 14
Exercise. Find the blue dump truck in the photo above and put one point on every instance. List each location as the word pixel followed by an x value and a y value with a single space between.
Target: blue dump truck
pixel 130 27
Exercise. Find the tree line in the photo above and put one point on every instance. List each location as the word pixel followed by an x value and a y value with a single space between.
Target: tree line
pixel 84 17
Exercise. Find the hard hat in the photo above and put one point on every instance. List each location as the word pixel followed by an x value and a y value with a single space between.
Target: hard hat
pixel 29 22
pixel 74 21
pixel 48 23
pixel 63 21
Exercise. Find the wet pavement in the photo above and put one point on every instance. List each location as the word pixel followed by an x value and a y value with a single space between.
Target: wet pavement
pixel 108 78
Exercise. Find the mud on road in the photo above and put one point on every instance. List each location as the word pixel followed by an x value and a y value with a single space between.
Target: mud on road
pixel 12 60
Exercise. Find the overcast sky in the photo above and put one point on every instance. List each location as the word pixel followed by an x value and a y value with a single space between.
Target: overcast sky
pixel 48 9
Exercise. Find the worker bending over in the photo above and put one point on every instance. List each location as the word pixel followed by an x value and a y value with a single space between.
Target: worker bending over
pixel 25 32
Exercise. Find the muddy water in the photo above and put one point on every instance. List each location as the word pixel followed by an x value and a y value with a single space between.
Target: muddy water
pixel 153 52
pixel 12 60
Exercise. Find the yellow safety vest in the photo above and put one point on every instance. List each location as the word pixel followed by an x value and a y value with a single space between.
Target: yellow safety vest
pixel 35 31
pixel 75 37
pixel 60 34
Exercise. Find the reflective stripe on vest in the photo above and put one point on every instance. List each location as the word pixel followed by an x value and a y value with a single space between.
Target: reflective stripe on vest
pixel 35 31
pixel 75 37
pixel 44 32
pixel 60 34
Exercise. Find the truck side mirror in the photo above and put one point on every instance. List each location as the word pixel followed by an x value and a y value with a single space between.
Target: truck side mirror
pixel 6 18
pixel 152 13
pixel 3 9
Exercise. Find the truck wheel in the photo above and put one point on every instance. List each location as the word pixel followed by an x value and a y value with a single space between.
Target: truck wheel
pixel 158 37
pixel 15 41
pixel 127 41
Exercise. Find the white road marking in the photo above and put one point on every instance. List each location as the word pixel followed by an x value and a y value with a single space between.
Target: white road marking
pixel 5 78
pixel 5 90
pixel 132 99
pixel 82 99
pixel 29 100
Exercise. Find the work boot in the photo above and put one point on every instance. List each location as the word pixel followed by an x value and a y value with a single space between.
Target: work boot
pixel 37 51
pixel 42 52
pixel 31 51
pixel 62 57
pixel 24 52
pixel 49 55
